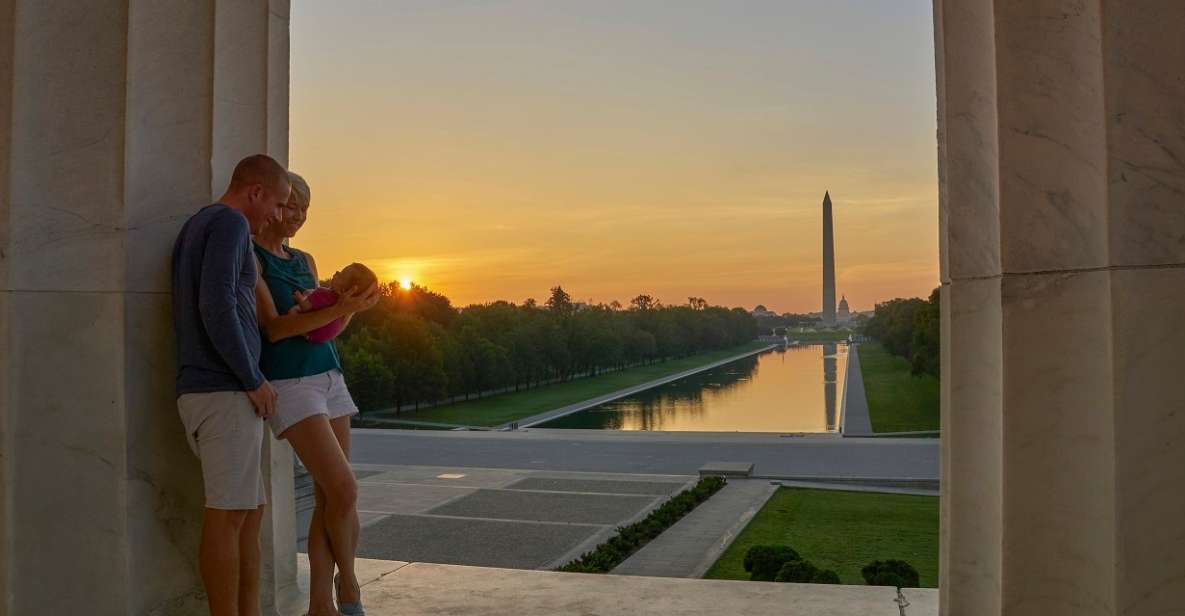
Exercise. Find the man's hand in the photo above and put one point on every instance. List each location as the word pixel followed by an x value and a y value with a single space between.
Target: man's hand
pixel 264 399
pixel 357 301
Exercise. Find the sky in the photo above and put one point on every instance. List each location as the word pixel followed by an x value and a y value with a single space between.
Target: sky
pixel 494 149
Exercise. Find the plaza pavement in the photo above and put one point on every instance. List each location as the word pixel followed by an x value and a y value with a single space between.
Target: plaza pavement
pixel 519 519
pixel 665 453
pixel 536 499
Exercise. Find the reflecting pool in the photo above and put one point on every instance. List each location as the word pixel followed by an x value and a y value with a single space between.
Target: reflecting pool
pixel 796 389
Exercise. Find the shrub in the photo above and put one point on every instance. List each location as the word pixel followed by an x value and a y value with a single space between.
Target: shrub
pixel 801 571
pixel 764 561
pixel 826 576
pixel 890 573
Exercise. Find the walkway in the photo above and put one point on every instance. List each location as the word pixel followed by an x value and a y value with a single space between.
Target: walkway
pixel 547 416
pixel 855 402
pixel 661 453
pixel 690 547
pixel 399 588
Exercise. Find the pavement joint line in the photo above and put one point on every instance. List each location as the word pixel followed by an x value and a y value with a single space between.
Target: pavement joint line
pixel 391 572
pixel 510 520
pixel 519 473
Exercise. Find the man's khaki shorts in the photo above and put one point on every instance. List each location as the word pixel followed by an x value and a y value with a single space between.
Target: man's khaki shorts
pixel 227 436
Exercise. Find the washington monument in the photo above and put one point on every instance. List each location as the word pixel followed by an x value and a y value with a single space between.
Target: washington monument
pixel 828 264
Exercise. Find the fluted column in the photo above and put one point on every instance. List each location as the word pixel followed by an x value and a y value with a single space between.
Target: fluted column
pixel 117 121
pixel 972 377
pixel 1061 141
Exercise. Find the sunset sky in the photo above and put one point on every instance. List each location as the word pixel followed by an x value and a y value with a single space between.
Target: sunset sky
pixel 493 149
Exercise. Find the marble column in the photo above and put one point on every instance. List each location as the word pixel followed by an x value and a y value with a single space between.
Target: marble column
pixel 117 121
pixel 1062 162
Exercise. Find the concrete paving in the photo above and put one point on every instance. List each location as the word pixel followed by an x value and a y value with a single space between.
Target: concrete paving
pixel 856 421
pixel 400 588
pixel 670 453
pixel 431 589
pixel 571 508
pixel 498 517
pixel 489 543
pixel 692 545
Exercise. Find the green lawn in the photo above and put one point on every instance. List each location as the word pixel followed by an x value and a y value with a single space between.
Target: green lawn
pixel 842 531
pixel 897 400
pixel 501 408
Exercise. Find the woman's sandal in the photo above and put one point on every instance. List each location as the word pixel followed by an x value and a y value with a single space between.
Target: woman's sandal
pixel 347 609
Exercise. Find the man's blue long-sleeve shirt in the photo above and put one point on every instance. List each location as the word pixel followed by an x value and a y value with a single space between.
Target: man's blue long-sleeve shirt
pixel 214 303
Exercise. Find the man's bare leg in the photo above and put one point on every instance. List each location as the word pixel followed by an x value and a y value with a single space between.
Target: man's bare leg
pixel 249 563
pixel 219 559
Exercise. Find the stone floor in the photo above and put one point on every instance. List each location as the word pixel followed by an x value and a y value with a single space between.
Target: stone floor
pixel 398 588
pixel 497 517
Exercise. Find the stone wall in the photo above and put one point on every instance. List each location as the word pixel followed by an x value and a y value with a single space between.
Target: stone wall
pixel 1062 162
pixel 117 121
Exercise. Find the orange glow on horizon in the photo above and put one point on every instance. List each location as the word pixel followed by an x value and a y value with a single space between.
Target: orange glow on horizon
pixel 491 151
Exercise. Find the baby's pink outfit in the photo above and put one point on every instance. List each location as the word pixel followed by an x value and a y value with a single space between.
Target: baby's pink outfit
pixel 322 297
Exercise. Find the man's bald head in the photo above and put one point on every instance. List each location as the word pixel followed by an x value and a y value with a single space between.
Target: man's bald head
pixel 259 189
pixel 258 169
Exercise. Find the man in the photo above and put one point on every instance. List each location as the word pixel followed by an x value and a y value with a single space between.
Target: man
pixel 222 396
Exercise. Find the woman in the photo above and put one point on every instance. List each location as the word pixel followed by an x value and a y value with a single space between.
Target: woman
pixel 314 408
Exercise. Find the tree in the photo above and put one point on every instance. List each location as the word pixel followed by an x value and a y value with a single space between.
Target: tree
pixel 560 303
pixel 925 345
pixel 644 302
pixel 890 573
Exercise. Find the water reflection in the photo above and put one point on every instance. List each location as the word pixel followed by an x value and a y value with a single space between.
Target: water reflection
pixel 829 377
pixel 776 391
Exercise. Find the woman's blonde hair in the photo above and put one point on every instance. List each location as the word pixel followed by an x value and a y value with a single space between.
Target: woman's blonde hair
pixel 300 188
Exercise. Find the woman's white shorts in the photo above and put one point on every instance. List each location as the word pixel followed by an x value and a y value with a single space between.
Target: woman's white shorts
pixel 301 398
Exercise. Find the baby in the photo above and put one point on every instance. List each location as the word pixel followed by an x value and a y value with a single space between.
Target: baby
pixel 354 276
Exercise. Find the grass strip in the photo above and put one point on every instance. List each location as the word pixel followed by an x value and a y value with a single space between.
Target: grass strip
pixel 630 539
pixel 841 531
pixel 898 401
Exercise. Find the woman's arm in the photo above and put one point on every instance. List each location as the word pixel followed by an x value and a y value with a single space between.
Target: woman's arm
pixel 278 326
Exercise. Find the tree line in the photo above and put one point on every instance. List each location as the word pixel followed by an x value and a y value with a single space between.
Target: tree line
pixel 415 348
pixel 909 328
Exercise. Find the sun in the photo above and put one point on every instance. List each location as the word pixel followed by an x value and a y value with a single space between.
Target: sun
pixel 405 283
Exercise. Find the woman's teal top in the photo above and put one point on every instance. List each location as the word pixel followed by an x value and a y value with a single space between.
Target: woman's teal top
pixel 292 357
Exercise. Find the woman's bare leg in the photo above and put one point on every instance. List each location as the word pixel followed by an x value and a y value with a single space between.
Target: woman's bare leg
pixel 321 562
pixel 350 591
pixel 317 445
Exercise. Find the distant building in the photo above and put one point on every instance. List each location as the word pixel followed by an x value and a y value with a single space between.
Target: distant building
pixel 761 311
pixel 843 315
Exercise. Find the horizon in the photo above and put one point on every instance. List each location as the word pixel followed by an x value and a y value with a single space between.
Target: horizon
pixel 620 149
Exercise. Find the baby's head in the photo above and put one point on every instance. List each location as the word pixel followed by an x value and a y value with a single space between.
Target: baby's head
pixel 354 275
